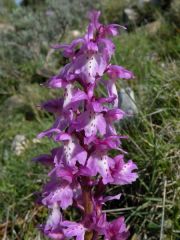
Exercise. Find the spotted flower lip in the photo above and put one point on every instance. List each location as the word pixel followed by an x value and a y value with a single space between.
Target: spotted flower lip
pixel 72 150
pixel 123 173
pixel 81 164
pixel 91 123
pixel 52 227
pixel 101 163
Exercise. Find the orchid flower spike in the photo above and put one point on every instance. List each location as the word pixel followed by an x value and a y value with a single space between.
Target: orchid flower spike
pixel 81 165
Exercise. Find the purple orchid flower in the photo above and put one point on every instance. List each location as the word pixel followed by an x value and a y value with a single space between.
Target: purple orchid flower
pixel 54 106
pixel 72 151
pixel 115 72
pixel 56 228
pixel 123 172
pixel 116 230
pixel 57 192
pixel 84 130
pixel 73 229
pixel 91 123
pixel 53 228
pixel 101 163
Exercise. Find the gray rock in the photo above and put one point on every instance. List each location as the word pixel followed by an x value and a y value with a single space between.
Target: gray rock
pixel 164 4
pixel 175 12
pixel 18 104
pixel 18 2
pixel 153 27
pixel 131 15
pixel 12 103
pixel 143 3
pixel 153 56
pixel 6 27
pixel 127 101
pixel 75 33
pixel 19 144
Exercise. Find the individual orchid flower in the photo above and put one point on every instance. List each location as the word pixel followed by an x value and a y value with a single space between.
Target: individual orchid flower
pixel 53 228
pixel 112 91
pixel 73 97
pixel 115 72
pixel 91 123
pixel 47 159
pixel 122 172
pixel 116 230
pixel 54 106
pixel 97 121
pixel 107 143
pixel 72 150
pixel 67 173
pixel 56 129
pixel 58 229
pixel 69 50
pixel 73 229
pixel 89 66
pixel 85 135
pixel 101 163
pixel 111 117
pixel 101 200
pixel 58 192
pixel 98 223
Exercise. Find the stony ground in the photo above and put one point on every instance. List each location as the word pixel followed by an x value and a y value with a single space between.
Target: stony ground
pixel 151 51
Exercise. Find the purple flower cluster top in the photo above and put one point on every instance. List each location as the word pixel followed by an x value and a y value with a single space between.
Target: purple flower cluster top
pixel 83 127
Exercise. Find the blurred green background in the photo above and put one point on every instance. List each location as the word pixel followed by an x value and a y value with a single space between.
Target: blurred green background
pixel 150 48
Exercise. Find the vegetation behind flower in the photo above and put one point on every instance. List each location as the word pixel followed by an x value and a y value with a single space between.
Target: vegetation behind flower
pixel 153 134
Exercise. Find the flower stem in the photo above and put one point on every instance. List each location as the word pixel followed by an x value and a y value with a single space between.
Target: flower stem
pixel 87 202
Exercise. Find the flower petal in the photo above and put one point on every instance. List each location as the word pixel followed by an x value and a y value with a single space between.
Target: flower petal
pixel 100 164
pixel 115 71
pixel 122 172
pixel 63 195
pixel 74 230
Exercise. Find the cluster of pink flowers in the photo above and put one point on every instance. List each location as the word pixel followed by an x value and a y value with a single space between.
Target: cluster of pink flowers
pixel 81 166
